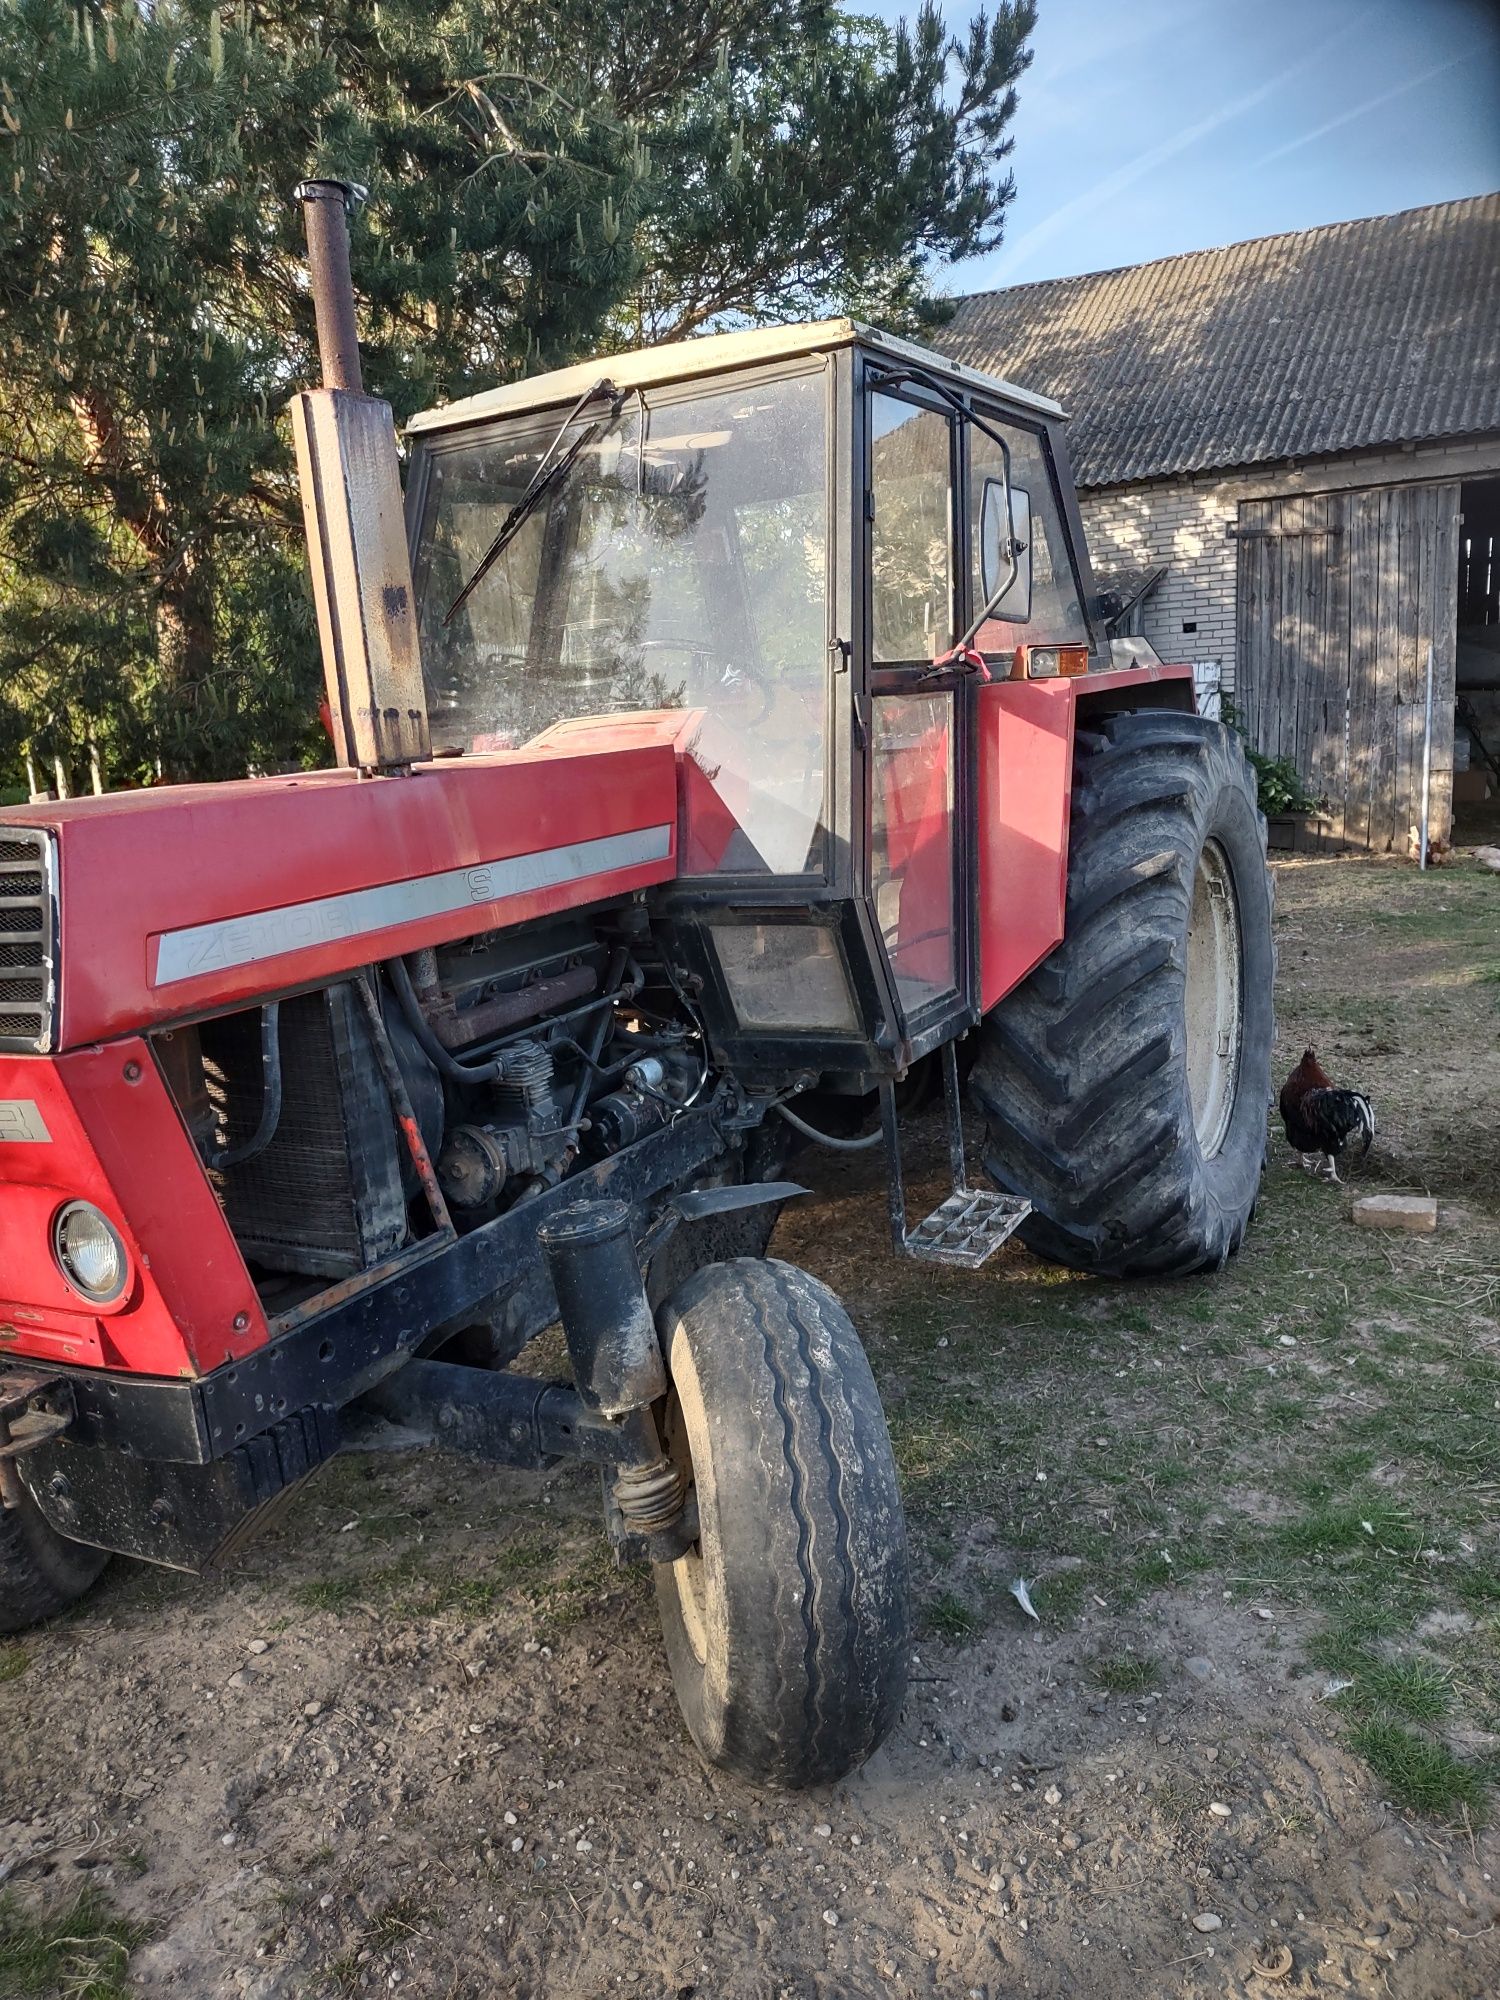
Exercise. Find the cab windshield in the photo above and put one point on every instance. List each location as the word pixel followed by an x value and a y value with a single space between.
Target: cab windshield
pixel 680 563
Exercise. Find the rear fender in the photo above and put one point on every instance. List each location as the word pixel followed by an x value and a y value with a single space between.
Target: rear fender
pixel 1026 731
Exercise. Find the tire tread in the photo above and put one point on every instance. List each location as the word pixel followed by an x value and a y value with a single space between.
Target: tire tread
pixel 805 1438
pixel 1080 1074
pixel 41 1573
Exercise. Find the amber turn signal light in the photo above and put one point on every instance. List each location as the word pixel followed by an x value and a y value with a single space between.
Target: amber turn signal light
pixel 1045 663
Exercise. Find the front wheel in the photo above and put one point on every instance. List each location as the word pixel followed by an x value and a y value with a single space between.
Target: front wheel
pixel 41 1572
pixel 786 1623
pixel 1125 1083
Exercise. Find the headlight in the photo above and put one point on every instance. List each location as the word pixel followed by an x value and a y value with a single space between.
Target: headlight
pixel 89 1253
pixel 785 976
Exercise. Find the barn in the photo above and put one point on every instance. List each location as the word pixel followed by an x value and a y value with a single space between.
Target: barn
pixel 1289 450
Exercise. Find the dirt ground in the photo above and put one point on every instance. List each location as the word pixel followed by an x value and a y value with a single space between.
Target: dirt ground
pixel 420 1738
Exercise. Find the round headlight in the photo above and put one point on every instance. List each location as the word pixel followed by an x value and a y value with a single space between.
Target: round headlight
pixel 89 1253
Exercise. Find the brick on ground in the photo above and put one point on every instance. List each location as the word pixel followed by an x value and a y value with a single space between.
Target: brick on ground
pixel 1414 1212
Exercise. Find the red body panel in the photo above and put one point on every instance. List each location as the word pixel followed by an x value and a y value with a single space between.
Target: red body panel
pixel 137 867
pixel 1025 793
pixel 113 1137
pixel 706 819
pixel 140 870
pixel 914 794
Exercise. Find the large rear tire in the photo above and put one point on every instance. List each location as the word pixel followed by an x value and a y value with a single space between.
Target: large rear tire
pixel 1125 1083
pixel 41 1572
pixel 786 1624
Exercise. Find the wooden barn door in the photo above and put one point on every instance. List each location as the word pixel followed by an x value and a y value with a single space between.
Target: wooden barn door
pixel 1339 596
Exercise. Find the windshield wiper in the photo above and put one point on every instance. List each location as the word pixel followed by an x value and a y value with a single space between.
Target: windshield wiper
pixel 546 476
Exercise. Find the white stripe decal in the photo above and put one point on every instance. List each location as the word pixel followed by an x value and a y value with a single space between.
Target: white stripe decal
pixel 296 926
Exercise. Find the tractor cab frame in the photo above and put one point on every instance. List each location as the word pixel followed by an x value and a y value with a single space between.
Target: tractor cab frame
pixel 782 545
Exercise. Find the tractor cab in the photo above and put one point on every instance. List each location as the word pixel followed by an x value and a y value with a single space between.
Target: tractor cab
pixel 812 558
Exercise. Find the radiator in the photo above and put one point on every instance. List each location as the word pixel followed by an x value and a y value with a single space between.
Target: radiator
pixel 324 1198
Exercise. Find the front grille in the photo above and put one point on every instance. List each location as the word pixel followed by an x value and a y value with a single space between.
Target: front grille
pixel 28 940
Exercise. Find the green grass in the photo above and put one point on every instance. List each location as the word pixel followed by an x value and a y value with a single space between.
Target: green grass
pixel 402 1919
pixel 342 1974
pixel 1124 1673
pixel 81 1952
pixel 948 1617
pixel 1413 1690
pixel 1410 1689
pixel 1366 1528
pixel 1419 1772
pixel 14 1661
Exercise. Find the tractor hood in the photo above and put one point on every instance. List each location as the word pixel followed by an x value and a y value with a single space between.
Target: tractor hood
pixel 150 906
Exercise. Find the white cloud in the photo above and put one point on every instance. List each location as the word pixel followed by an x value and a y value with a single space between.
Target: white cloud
pixel 1014 255
pixel 1358 111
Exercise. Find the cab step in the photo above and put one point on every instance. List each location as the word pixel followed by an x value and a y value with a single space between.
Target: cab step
pixel 969 1226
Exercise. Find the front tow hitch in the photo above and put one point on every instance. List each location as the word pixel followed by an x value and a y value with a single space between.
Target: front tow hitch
pixel 34 1409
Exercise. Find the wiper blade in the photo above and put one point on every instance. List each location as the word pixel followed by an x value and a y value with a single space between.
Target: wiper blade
pixel 546 476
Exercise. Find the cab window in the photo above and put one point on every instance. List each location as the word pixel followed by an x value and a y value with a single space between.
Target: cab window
pixel 911 537
pixel 679 562
pixel 1051 613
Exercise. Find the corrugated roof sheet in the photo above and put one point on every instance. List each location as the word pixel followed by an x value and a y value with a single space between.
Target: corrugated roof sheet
pixel 1379 332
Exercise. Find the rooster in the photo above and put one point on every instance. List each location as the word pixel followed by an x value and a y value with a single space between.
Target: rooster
pixel 1320 1120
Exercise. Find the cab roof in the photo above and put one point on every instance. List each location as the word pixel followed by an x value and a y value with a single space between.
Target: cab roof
pixel 713 354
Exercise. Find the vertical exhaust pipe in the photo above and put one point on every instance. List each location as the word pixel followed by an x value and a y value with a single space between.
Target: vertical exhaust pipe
pixel 326 207
pixel 356 532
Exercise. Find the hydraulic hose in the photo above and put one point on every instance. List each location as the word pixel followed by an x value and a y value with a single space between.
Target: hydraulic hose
pixel 620 963
pixel 442 1059
pixel 826 1138
pixel 270 1097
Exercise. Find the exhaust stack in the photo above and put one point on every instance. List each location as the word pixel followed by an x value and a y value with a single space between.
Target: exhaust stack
pixel 356 530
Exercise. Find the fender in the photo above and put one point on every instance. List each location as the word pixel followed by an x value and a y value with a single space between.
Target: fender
pixel 1025 792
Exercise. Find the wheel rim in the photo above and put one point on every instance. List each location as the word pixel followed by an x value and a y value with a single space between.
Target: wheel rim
pixel 689 1572
pixel 1214 999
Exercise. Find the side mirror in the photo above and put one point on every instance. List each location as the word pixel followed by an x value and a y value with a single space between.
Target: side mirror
pixel 1000 541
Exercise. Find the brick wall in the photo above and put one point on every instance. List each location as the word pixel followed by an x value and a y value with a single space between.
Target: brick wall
pixel 1182 523
pixel 1183 526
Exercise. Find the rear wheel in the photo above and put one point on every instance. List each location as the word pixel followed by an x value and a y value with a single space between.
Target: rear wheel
pixel 41 1572
pixel 785 1624
pixel 1125 1084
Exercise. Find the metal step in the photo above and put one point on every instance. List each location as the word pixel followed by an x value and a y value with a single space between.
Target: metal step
pixel 968 1228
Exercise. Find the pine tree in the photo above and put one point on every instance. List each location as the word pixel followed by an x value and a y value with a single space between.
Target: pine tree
pixel 543 180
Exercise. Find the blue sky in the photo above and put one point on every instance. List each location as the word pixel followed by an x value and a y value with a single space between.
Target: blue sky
pixel 1148 127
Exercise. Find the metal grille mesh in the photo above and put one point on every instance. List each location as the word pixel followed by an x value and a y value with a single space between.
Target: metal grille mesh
pixel 324 1198
pixel 27 941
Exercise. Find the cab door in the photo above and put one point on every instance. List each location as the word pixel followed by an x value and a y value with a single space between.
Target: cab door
pixel 920 712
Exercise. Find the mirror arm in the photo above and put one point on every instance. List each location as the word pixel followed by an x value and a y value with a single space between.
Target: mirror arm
pixel 996 595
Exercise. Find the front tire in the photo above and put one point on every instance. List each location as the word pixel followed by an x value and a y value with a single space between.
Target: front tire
pixel 786 1624
pixel 41 1571
pixel 1124 1084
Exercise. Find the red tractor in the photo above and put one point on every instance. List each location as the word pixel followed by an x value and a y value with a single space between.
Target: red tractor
pixel 721 736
